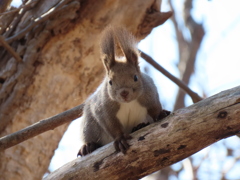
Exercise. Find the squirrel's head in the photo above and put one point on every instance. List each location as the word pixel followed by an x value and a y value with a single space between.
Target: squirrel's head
pixel 123 75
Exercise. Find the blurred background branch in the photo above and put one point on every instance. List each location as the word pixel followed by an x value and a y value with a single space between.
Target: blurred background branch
pixel 187 48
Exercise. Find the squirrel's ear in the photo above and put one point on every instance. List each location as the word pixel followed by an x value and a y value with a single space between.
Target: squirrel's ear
pixel 108 48
pixel 128 45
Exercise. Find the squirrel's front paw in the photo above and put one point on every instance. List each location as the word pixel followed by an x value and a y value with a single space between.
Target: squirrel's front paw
pixel 164 114
pixel 121 144
pixel 88 148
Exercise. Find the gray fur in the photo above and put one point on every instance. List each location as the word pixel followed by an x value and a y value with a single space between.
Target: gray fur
pixel 100 123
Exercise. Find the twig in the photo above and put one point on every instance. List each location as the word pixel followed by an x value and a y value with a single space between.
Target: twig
pixel 182 44
pixel 40 127
pixel 37 21
pixel 196 167
pixel 10 12
pixel 27 5
pixel 229 167
pixel 16 21
pixel 10 49
pixel 195 97
pixel 187 60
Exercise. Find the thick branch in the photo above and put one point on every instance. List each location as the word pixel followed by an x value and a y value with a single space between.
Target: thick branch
pixel 40 127
pixel 161 144
pixel 195 97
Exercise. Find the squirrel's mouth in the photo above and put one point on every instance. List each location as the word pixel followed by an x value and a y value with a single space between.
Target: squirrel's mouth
pixel 125 100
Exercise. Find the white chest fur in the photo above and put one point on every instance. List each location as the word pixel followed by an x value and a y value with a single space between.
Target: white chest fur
pixel 131 114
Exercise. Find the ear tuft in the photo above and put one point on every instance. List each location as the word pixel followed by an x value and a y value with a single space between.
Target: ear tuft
pixel 108 48
pixel 128 44
pixel 124 40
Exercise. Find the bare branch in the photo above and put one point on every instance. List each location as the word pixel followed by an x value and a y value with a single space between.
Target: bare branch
pixel 10 49
pixel 187 50
pixel 161 144
pixel 10 12
pixel 182 44
pixel 195 97
pixel 25 6
pixel 37 21
pixel 40 127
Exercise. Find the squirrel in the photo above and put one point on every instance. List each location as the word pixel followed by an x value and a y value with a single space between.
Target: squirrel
pixel 126 101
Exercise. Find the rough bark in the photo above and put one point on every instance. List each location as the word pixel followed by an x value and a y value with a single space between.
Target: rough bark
pixel 183 133
pixel 60 67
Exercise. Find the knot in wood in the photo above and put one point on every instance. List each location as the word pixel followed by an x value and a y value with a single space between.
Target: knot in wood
pixel 222 114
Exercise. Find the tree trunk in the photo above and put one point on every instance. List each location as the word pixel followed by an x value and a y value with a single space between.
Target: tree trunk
pixel 161 144
pixel 59 67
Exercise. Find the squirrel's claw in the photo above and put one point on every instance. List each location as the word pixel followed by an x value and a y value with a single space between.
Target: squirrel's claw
pixel 88 148
pixel 140 126
pixel 121 144
pixel 164 114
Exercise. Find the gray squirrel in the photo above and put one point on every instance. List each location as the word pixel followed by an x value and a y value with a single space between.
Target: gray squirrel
pixel 127 99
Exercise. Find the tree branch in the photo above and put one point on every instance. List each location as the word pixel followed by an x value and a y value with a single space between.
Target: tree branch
pixel 24 8
pixel 39 20
pixel 187 50
pixel 71 114
pixel 10 49
pixel 161 144
pixel 27 5
pixel 195 97
pixel 40 127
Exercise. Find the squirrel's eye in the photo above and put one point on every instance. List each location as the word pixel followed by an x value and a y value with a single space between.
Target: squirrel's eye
pixel 110 82
pixel 135 78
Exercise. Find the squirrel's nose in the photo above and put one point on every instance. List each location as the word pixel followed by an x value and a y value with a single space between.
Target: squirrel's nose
pixel 124 94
